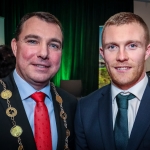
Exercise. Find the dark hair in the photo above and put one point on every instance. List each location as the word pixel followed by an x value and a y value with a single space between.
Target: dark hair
pixel 45 16
pixel 127 18
pixel 7 60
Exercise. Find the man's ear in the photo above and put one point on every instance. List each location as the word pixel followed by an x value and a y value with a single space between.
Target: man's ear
pixel 101 51
pixel 14 46
pixel 147 52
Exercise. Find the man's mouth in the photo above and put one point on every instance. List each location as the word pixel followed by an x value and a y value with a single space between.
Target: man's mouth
pixel 122 68
pixel 42 66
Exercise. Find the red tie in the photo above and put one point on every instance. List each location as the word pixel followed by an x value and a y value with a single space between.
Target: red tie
pixel 41 123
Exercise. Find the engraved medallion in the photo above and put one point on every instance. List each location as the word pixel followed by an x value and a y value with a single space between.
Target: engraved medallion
pixel 67 133
pixel 11 112
pixel 16 131
pixel 6 94
pixel 59 99
pixel 63 115
pixel 20 147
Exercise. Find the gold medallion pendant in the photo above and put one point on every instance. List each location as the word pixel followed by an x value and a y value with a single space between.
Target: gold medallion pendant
pixel 6 94
pixel 16 131
pixel 11 112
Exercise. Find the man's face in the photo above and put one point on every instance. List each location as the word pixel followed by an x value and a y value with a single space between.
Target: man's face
pixel 38 51
pixel 124 51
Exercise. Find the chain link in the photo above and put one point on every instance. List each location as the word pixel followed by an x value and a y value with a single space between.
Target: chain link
pixel 62 112
pixel 64 118
pixel 12 118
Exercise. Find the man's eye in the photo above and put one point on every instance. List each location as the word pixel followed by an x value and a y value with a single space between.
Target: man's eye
pixel 54 46
pixel 132 46
pixel 31 42
pixel 111 47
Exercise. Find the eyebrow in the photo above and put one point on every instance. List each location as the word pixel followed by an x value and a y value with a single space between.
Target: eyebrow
pixel 132 41
pixel 31 36
pixel 127 42
pixel 37 37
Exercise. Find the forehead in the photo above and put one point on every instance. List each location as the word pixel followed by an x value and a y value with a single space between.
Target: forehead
pixel 36 26
pixel 133 31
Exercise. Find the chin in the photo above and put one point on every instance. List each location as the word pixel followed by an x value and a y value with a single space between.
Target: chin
pixel 40 79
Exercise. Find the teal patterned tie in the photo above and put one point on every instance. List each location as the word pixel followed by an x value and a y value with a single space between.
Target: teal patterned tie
pixel 121 124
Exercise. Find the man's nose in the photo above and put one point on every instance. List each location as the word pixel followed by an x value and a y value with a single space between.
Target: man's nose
pixel 122 55
pixel 43 51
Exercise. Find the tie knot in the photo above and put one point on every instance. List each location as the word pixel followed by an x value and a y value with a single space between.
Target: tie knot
pixel 38 96
pixel 122 100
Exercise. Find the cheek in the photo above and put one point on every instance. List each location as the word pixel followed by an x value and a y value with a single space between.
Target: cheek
pixel 109 59
pixel 56 58
pixel 23 53
pixel 138 59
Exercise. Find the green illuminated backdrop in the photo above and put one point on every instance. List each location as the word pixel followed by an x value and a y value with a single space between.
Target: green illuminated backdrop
pixel 80 20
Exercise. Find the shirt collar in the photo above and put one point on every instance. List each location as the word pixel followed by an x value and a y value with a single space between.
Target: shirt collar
pixel 137 90
pixel 25 89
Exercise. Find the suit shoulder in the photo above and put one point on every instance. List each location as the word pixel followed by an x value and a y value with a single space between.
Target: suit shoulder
pixel 9 81
pixel 96 94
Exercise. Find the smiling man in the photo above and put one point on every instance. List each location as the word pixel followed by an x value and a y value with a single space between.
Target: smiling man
pixel 116 117
pixel 35 113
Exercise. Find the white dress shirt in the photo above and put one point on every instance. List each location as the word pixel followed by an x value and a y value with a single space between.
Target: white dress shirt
pixel 133 105
pixel 25 91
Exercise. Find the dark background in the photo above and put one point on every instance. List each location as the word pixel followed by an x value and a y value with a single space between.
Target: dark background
pixel 80 20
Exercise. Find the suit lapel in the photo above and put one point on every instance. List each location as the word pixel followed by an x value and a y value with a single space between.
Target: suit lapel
pixel 21 118
pixel 105 119
pixel 59 122
pixel 142 121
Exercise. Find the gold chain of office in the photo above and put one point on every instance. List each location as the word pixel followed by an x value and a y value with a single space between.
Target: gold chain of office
pixel 11 112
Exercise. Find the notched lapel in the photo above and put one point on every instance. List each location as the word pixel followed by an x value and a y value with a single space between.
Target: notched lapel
pixel 21 119
pixel 59 122
pixel 105 119
pixel 142 121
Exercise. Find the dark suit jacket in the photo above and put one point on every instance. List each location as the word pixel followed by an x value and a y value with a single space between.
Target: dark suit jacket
pixel 94 125
pixel 8 142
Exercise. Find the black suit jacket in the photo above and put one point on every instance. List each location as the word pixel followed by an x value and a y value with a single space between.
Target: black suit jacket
pixel 94 125
pixel 8 142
